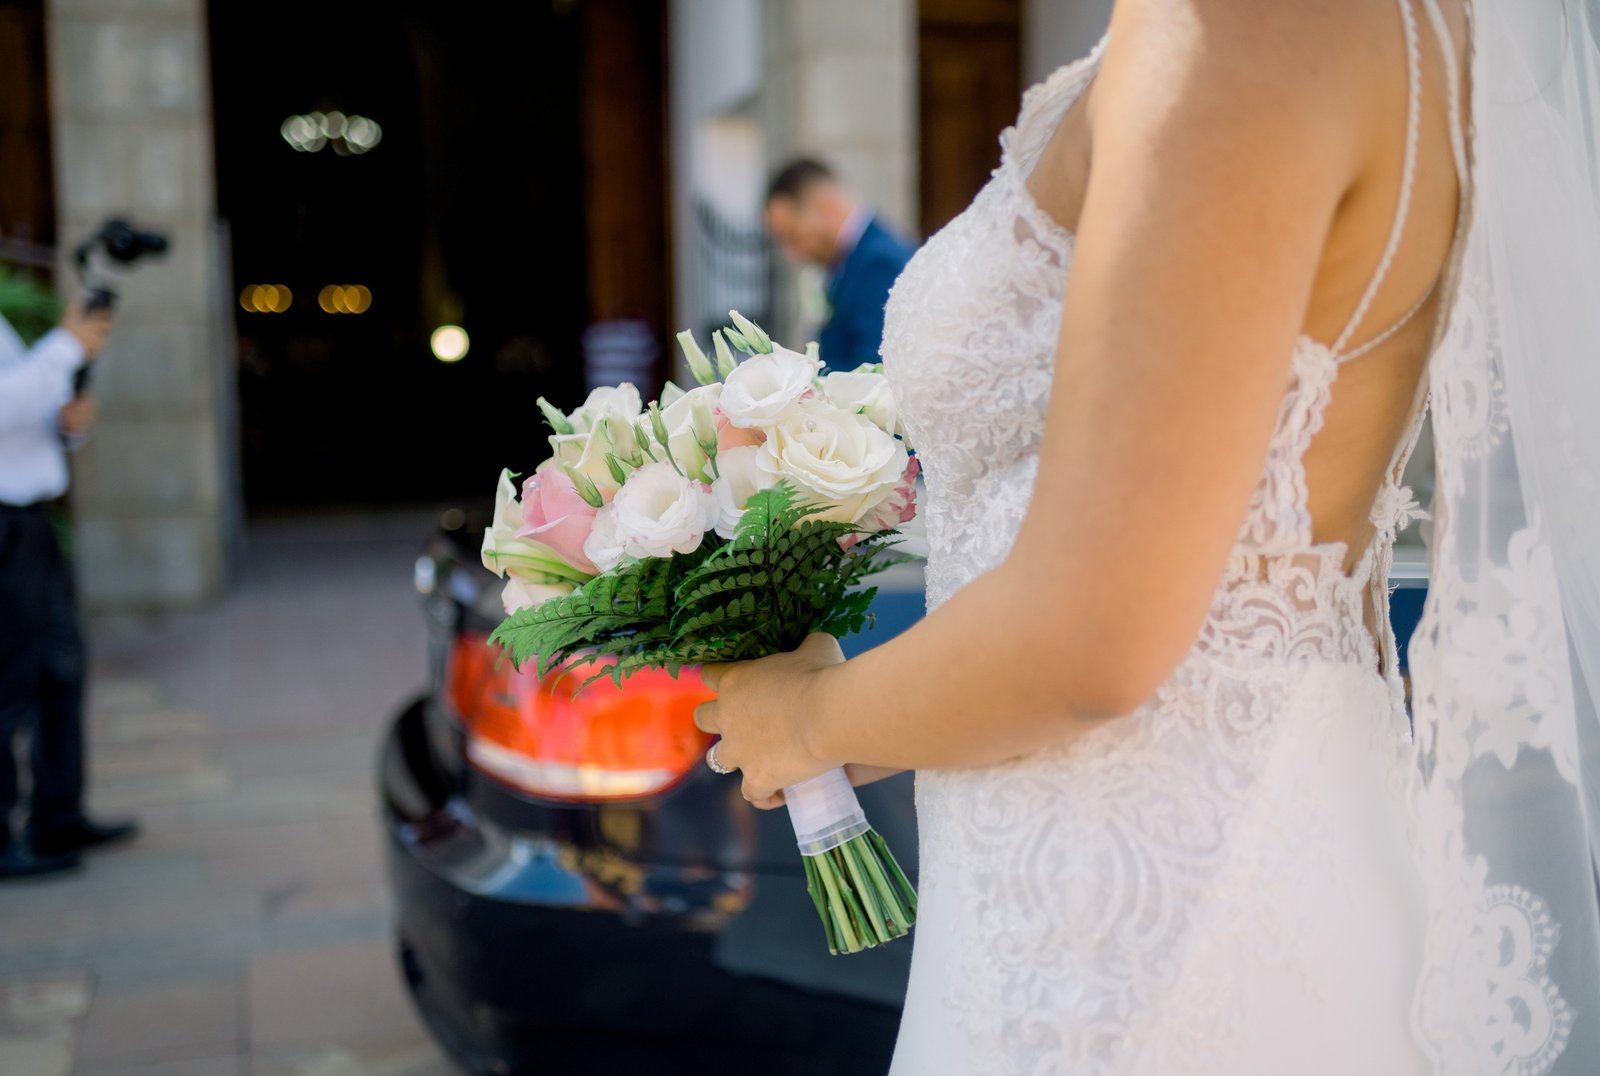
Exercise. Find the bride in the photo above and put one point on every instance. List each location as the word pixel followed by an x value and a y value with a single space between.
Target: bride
pixel 1194 826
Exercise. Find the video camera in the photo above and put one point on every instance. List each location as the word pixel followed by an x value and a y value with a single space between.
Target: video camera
pixel 122 243
pixel 119 242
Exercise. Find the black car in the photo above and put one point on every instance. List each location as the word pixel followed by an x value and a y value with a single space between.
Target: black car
pixel 578 893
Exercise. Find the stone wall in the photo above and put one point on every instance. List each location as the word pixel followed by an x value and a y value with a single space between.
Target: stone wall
pixel 1055 32
pixel 841 84
pixel 155 495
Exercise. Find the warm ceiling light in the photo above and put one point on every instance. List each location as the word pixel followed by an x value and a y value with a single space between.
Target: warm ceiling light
pixel 449 343
pixel 345 135
pixel 266 298
pixel 345 298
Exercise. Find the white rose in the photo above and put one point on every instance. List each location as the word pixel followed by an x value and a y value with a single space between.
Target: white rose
pixel 656 513
pixel 518 594
pixel 621 400
pixel 865 391
pixel 739 477
pixel 506 553
pixel 835 457
pixel 690 423
pixel 763 388
pixel 587 450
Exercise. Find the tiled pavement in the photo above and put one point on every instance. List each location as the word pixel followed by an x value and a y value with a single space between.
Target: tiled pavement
pixel 247 932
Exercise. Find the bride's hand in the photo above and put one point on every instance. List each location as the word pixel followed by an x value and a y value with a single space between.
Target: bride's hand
pixel 761 712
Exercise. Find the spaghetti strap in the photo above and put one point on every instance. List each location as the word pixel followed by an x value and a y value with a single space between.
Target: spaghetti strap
pixel 1407 184
pixel 1452 68
pixel 1458 152
pixel 1400 323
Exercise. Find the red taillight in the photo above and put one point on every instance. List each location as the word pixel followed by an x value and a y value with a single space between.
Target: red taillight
pixel 606 743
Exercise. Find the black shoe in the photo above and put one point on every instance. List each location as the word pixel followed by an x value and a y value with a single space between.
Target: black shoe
pixel 76 836
pixel 18 863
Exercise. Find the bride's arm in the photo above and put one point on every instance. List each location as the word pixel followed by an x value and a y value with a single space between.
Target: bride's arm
pixel 1221 149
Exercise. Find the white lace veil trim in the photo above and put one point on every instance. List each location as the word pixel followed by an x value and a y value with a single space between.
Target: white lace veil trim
pixel 1507 803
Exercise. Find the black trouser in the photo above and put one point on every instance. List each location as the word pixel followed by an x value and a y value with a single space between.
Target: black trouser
pixel 41 671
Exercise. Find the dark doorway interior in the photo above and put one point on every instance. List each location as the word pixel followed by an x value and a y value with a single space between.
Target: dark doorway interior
pixel 969 55
pixel 27 203
pixel 470 211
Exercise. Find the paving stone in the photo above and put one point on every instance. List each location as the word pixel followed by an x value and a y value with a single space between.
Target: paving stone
pixel 47 999
pixel 53 928
pixel 421 1059
pixel 46 1052
pixel 134 1022
pixel 341 994
pixel 183 1063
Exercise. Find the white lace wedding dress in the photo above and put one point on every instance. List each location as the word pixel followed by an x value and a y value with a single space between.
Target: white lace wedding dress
pixel 1221 882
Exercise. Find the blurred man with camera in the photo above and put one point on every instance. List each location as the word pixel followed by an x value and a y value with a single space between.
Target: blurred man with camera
pixel 41 649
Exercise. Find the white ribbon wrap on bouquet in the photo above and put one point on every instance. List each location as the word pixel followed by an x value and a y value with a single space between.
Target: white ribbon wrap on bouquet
pixel 825 812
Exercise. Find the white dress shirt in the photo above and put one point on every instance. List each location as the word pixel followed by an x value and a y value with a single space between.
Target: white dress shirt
pixel 35 384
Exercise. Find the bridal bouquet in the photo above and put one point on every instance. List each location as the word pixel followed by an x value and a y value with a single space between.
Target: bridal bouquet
pixel 721 523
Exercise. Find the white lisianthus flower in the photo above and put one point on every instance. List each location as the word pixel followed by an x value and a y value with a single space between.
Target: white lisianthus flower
pixel 764 388
pixel 865 390
pixel 518 594
pixel 656 513
pixel 739 477
pixel 586 451
pixel 621 400
pixel 834 457
pixel 603 547
pixel 505 553
pixel 690 422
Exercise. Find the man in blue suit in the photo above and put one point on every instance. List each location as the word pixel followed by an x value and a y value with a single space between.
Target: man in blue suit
pixel 816 220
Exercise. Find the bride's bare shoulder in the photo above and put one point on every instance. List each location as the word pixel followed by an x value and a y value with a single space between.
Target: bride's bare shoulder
pixel 1210 66
pixel 1303 45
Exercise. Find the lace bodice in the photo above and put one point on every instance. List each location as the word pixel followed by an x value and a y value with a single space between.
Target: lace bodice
pixel 1075 880
pixel 970 340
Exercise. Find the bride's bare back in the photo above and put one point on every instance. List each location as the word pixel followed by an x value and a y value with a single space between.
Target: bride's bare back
pixel 1232 181
pixel 1373 404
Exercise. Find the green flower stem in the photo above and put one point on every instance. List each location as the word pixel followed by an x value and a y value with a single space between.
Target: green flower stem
pixel 819 897
pixel 853 900
pixel 901 920
pixel 908 890
pixel 847 937
pixel 850 853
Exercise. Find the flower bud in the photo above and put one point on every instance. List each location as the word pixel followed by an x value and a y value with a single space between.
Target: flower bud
pixel 725 360
pixel 558 421
pixel 657 424
pixel 755 334
pixel 641 437
pixel 619 473
pixel 585 487
pixel 699 365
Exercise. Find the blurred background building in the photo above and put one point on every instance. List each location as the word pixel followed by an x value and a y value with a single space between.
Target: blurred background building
pixel 395 223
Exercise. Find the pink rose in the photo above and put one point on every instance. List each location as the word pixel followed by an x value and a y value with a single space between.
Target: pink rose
pixel 556 516
pixel 731 436
pixel 895 510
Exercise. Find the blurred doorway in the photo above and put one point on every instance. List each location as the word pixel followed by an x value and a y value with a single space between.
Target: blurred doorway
pixel 388 169
pixel 969 55
pixel 27 202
